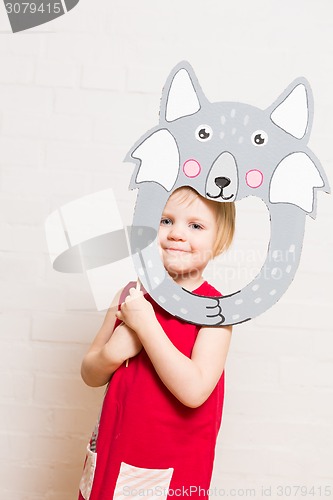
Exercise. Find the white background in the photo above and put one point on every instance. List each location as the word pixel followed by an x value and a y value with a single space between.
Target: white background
pixel 75 94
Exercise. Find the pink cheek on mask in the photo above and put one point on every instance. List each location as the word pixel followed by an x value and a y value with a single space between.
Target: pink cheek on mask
pixel 254 178
pixel 191 168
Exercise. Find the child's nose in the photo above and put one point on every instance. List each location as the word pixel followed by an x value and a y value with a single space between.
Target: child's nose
pixel 176 233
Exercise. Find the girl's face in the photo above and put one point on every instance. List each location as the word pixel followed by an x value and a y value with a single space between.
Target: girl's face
pixel 187 235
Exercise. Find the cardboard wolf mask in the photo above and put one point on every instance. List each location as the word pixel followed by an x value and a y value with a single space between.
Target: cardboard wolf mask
pixel 226 151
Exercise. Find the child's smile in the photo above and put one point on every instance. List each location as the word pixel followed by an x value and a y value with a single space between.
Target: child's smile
pixel 187 235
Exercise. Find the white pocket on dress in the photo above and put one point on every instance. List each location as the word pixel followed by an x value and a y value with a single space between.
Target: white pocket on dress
pixel 88 473
pixel 137 482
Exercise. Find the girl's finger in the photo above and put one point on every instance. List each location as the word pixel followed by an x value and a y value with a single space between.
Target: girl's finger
pixel 119 315
pixel 134 293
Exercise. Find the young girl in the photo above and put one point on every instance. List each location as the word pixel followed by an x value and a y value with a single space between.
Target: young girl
pixel 163 405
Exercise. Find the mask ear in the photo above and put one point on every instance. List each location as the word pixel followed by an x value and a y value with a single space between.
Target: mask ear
pixel 293 110
pixel 182 95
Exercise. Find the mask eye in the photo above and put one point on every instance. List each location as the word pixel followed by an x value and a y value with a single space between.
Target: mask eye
pixel 259 138
pixel 204 133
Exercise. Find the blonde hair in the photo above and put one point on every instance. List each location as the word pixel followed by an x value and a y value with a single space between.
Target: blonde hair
pixel 225 217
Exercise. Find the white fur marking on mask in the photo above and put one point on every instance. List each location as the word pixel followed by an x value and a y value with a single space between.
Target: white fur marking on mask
pixel 293 181
pixel 159 159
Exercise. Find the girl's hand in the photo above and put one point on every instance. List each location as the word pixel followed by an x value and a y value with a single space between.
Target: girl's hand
pixel 124 341
pixel 136 311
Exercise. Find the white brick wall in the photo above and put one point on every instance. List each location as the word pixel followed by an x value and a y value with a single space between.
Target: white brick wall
pixel 74 96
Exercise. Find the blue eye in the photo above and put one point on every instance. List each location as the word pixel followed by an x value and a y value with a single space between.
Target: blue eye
pixel 196 226
pixel 166 222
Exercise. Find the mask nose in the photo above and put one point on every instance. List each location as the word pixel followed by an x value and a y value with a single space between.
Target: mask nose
pixel 222 182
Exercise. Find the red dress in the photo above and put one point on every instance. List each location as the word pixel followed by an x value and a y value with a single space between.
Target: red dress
pixel 145 426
